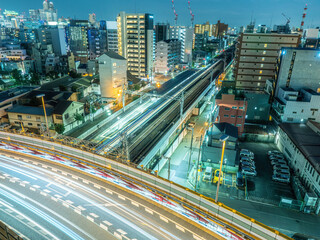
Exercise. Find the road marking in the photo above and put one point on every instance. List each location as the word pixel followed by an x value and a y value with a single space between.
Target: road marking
pixel 47 191
pixel 135 203
pixel 9 210
pixel 164 219
pixel 121 231
pixel 77 211
pixel 149 210
pixel 117 235
pixel 22 184
pixel 65 204
pixel 85 181
pixel 90 218
pixel 82 208
pixel 75 177
pixel 44 166
pixel 36 186
pixel 12 180
pixel 68 201
pixel 94 215
pixel 43 193
pixel 32 189
pixel 54 199
pixel 2 177
pixel 26 182
pixel 57 196
pixel 108 191
pixel 104 227
pixel 106 222
pixel 121 197
pixel 6 175
pixel 97 186
pixel 180 228
pixel 20 217
pixel 197 237
pixel 64 173
pixel 54 169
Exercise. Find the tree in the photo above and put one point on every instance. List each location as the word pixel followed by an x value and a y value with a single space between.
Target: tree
pixel 78 117
pixel 62 88
pixel 59 128
pixel 16 74
pixel 35 78
pixel 136 87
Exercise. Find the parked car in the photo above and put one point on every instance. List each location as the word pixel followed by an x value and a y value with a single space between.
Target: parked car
pixel 271 157
pixel 246 154
pixel 240 183
pixel 4 126
pixel 248 164
pixel 216 177
pixel 207 176
pixel 280 166
pixel 245 158
pixel 281 171
pixel 274 152
pixel 248 171
pixel 278 161
pixel 284 178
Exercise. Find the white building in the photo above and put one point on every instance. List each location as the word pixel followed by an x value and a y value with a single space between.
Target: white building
pixel 48 13
pixel 113 75
pixel 112 36
pixel 185 35
pixel 296 106
pixel 135 42
pixel 168 54
pixel 301 145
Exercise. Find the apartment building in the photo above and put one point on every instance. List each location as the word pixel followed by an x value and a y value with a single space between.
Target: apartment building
pixel 256 58
pixel 135 42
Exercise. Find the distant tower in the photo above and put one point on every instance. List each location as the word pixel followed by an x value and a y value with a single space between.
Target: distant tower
pixel 303 17
pixel 45 5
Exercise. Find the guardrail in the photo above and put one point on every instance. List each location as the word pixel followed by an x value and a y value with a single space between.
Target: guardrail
pixel 220 213
pixel 7 234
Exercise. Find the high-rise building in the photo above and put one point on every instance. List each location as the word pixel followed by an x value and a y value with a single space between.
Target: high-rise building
pixel 113 75
pixel 167 55
pixel 256 58
pixel 48 13
pixel 112 36
pixel 185 35
pixel 77 35
pixel 93 19
pixel 162 31
pixel 135 42
pixel 97 42
pixel 55 36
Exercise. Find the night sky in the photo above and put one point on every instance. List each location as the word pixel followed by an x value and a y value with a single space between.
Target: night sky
pixel 233 12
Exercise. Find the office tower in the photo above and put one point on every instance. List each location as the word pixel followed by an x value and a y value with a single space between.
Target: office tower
pixel 185 35
pixel 55 36
pixel 34 14
pixel 92 19
pixel 167 55
pixel 256 58
pixel 135 42
pixel 77 35
pixel 162 31
pixel 48 13
pixel 97 42
pixel 112 36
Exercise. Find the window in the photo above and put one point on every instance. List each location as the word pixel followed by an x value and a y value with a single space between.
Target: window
pixel 66 116
pixel 226 115
pixel 59 117
pixel 234 107
pixel 114 64
pixel 264 52
pixel 266 45
pixel 30 124
pixel 261 65
pixel 294 112
pixel 289 119
pixel 263 59
pixel 239 125
pixel 20 117
pixel 226 108
pixel 28 116
pixel 260 72
pixel 239 116
pixel 241 108
pixel 233 116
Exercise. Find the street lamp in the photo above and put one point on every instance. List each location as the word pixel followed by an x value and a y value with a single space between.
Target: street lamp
pixel 223 139
pixel 44 110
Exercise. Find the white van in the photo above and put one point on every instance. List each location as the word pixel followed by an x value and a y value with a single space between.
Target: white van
pixel 207 175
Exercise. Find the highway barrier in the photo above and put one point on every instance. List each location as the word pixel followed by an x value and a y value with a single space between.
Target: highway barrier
pixel 218 212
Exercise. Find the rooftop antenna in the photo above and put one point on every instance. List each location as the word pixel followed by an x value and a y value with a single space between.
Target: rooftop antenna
pixel 175 13
pixel 191 13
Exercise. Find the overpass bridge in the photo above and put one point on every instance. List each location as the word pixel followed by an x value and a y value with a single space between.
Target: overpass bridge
pixel 235 224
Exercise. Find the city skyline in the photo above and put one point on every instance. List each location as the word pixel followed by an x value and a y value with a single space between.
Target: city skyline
pixel 239 14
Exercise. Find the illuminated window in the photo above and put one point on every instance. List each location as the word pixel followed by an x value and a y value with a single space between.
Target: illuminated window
pixel 263 59
pixel 266 45
pixel 264 52
pixel 260 71
pixel 261 65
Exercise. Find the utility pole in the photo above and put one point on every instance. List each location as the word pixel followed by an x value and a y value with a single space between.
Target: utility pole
pixel 197 168
pixel 192 129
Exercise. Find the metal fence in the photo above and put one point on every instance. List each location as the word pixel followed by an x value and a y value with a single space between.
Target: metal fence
pixel 218 212
pixel 7 234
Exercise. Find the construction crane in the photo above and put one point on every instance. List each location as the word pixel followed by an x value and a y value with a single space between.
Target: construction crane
pixel 288 19
pixel 303 16
pixel 175 13
pixel 191 13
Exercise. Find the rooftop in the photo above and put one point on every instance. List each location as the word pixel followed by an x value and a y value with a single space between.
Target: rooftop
pixel 239 95
pixel 114 55
pixel 62 107
pixel 306 140
pixel 14 92
pixel 30 110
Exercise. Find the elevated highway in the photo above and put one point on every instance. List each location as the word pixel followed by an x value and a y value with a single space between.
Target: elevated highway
pixel 201 210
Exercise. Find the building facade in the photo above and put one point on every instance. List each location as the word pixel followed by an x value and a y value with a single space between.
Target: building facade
pixel 113 75
pixel 77 35
pixel 185 35
pixel 168 55
pixel 162 31
pixel 135 42
pixel 232 109
pixel 256 58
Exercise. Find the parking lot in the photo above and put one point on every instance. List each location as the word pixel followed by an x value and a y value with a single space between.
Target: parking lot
pixel 262 188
